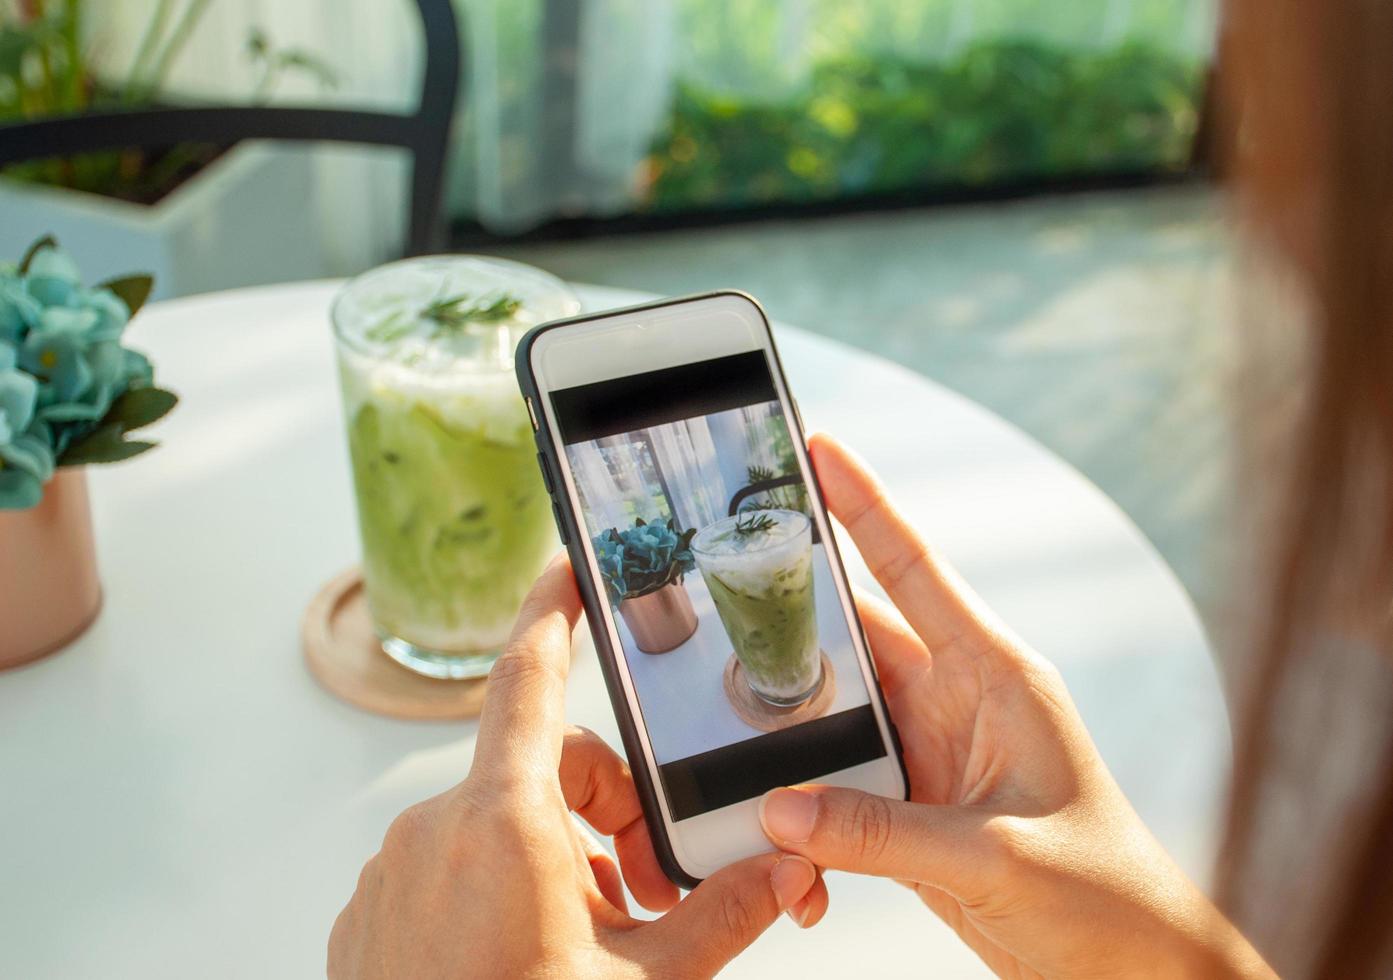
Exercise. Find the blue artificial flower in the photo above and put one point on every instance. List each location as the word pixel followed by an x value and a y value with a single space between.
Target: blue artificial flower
pixel 62 367
pixel 19 311
pixel 68 319
pixel 137 369
pixel 55 352
pixel 642 559
pixel 26 459
pixel 609 555
pixel 53 277
pixel 108 364
pixel 106 368
pixel 112 312
pixel 18 395
pixel 26 463
pixel 30 454
pixel 19 489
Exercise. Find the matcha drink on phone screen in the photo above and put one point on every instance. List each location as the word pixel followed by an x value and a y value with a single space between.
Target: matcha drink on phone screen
pixel 758 567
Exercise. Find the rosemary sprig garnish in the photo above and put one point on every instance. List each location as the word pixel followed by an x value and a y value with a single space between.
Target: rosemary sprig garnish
pixel 754 524
pixel 448 315
pixel 462 310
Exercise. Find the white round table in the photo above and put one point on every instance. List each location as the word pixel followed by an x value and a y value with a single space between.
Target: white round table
pixel 180 799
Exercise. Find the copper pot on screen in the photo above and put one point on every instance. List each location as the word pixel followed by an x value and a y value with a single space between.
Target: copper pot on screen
pixel 660 621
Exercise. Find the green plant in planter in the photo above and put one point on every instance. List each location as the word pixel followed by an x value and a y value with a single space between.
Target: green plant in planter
pixel 70 392
pixel 792 497
pixel 47 70
pixel 643 559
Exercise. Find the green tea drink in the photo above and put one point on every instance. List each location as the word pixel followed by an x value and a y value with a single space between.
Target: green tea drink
pixel 455 521
pixel 758 567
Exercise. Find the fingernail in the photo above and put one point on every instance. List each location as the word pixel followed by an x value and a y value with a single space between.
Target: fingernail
pixel 791 877
pixel 788 815
pixel 799 913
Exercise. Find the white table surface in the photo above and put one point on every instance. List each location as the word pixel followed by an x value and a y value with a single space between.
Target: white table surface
pixel 181 799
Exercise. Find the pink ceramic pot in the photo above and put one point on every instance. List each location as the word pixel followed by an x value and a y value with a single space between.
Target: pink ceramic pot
pixel 49 592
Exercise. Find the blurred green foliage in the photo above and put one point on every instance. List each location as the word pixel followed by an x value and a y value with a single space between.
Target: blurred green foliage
pixel 47 69
pixel 1003 110
pixel 42 69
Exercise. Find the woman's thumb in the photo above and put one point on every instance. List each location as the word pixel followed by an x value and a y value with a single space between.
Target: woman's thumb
pixel 947 847
pixel 724 914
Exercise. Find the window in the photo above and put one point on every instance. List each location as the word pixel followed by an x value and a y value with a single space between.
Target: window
pixel 661 107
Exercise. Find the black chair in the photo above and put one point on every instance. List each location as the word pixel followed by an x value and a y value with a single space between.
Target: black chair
pixel 764 486
pixel 426 132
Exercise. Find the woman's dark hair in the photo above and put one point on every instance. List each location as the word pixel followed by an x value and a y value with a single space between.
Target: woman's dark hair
pixel 1307 96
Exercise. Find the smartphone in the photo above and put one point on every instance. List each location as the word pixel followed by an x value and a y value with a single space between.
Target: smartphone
pixel 710 578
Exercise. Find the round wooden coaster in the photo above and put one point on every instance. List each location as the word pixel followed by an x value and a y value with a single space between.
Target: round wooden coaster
pixel 759 713
pixel 345 655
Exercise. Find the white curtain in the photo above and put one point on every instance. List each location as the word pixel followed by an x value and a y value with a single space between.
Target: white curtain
pixel 619 480
pixel 608 474
pixel 563 98
pixel 618 111
pixel 759 435
pixel 686 458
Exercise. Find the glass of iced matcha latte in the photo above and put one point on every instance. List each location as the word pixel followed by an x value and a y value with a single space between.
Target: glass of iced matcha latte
pixel 454 518
pixel 758 567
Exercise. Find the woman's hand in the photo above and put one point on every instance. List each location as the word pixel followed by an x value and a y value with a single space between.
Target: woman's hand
pixel 495 878
pixel 1015 833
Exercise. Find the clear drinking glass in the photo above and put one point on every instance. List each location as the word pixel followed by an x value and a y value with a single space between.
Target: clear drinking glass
pixel 455 521
pixel 758 567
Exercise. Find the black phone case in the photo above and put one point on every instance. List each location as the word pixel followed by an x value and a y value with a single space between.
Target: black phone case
pixel 592 598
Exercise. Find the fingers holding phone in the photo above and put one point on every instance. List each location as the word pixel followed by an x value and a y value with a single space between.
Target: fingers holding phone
pixel 597 786
pixel 1015 834
pixel 495 878
pixel 522 727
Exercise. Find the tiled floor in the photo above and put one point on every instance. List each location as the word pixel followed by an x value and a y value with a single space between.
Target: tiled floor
pixel 1096 323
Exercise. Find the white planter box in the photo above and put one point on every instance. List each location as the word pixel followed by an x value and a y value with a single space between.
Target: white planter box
pixel 246 219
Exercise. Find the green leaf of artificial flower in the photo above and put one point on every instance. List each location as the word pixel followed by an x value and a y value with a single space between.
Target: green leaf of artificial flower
pixel 133 290
pixel 126 450
pixel 48 241
pixel 140 407
pixel 106 445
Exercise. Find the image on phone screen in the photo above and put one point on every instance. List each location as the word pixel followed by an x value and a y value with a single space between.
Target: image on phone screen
pixel 719 583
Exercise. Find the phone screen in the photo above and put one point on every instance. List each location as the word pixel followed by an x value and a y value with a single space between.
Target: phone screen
pixel 719 585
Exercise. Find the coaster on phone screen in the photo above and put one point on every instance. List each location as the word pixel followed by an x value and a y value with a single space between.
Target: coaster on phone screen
pixel 343 652
pixel 756 712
